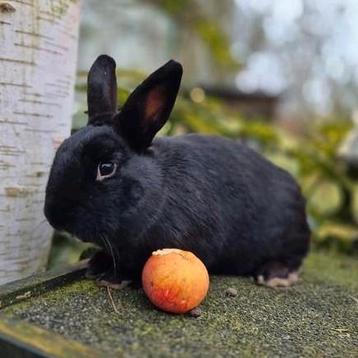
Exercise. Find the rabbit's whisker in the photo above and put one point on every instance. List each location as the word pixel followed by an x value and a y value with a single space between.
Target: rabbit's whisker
pixel 109 246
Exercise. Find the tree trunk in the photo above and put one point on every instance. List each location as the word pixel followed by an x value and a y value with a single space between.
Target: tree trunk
pixel 38 49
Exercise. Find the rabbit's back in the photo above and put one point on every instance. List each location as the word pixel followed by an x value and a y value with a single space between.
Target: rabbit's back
pixel 228 204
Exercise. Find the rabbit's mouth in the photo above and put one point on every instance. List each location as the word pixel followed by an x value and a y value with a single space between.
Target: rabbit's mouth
pixel 84 239
pixel 62 220
pixel 84 236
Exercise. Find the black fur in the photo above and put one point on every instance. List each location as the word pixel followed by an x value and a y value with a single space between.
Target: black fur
pixel 209 195
pixel 102 89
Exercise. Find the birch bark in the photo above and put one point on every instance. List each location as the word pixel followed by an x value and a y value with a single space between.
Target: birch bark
pixel 38 50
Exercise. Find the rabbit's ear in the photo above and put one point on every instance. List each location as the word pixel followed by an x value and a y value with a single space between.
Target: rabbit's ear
pixel 149 105
pixel 102 89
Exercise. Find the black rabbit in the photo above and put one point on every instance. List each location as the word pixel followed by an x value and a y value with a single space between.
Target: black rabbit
pixel 113 185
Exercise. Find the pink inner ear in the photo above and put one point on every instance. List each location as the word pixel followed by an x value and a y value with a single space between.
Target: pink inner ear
pixel 154 104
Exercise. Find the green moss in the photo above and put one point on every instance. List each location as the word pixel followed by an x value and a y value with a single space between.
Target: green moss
pixel 332 268
pixel 318 317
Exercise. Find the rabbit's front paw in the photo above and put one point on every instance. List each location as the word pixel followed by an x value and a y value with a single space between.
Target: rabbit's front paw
pixel 101 268
pixel 99 264
pixel 114 283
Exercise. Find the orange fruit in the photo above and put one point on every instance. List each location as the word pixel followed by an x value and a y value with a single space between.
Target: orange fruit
pixel 174 280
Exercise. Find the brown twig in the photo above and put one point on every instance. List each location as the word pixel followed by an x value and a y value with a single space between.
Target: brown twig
pixel 111 299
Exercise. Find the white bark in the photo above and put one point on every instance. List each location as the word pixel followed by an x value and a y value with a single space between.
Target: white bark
pixel 38 50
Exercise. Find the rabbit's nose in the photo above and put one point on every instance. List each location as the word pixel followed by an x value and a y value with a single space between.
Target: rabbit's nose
pixel 58 214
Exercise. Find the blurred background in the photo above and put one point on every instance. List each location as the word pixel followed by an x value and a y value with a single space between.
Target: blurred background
pixel 280 75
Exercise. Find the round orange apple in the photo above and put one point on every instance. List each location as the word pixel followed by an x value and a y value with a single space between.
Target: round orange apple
pixel 174 280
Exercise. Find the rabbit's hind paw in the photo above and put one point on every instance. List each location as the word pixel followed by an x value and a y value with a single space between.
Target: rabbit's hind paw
pixel 275 274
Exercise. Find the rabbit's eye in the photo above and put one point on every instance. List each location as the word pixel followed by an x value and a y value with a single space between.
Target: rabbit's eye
pixel 105 170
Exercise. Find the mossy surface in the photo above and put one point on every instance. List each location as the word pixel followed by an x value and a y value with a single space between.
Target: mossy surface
pixel 318 317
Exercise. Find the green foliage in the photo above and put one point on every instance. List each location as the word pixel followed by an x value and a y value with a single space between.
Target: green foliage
pixel 192 16
pixel 216 41
pixel 329 190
